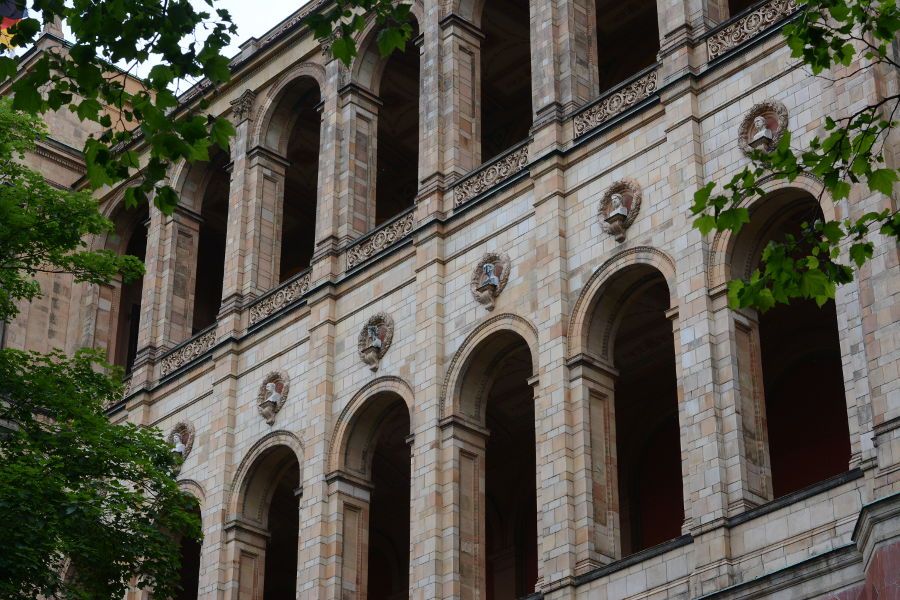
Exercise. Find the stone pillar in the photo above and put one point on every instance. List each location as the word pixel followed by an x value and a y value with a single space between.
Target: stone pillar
pixel 179 239
pixel 563 50
pixel 461 98
pixel 596 486
pixel 245 549
pixel 359 116
pixel 149 332
pixel 463 448
pixel 328 192
pixel 349 500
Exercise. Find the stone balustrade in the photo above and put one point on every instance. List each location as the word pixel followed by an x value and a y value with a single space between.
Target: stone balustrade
pixel 287 293
pixel 748 26
pixel 616 102
pixel 491 174
pixel 381 239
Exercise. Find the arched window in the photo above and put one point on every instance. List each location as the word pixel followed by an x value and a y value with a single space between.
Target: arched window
pixel 627 39
pixel 189 575
pixel 129 312
pixel 506 112
pixel 298 224
pixel 398 134
pixel 794 416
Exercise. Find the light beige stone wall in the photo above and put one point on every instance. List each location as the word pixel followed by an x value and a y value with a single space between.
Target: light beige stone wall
pixel 735 541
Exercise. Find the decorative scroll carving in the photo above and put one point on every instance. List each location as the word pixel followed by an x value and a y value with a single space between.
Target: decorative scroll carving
pixel 375 339
pixel 182 438
pixel 384 238
pixel 487 178
pixel 749 26
pixel 615 103
pixel 763 127
pixel 269 305
pixel 242 105
pixel 489 278
pixel 619 207
pixel 272 395
pixel 185 354
pixel 126 386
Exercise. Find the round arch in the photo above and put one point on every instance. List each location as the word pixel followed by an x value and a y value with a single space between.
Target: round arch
pixel 614 272
pixel 275 117
pixel 493 335
pixel 368 66
pixel 259 471
pixel 778 194
pixel 360 424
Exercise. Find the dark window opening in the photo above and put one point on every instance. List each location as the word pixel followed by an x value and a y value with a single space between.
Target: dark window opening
pixel 389 510
pixel 130 302
pixel 211 247
pixel 627 39
pixel 506 112
pixel 739 6
pixel 298 226
pixel 510 481
pixel 651 505
pixel 280 581
pixel 189 575
pixel 398 135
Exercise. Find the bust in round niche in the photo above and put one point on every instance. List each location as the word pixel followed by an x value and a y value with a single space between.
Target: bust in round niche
pixel 763 127
pixel 272 394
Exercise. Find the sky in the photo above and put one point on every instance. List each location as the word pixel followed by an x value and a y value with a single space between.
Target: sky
pixel 254 18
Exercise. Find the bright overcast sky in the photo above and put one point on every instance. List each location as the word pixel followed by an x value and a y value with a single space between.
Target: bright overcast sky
pixel 254 18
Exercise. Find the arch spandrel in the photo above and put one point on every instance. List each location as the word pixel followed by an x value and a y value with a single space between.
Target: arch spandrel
pixel 360 423
pixel 257 473
pixel 488 339
pixel 273 122
pixel 613 274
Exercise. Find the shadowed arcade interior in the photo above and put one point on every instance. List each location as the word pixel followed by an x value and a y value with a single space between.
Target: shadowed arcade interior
pixel 506 113
pixel 398 134
pixel 648 449
pixel 130 294
pixel 627 39
pixel 298 227
pixel 189 574
pixel 211 246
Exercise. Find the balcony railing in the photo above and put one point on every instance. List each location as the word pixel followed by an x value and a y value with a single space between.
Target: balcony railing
pixel 189 351
pixel 491 174
pixel 748 26
pixel 287 293
pixel 381 239
pixel 618 100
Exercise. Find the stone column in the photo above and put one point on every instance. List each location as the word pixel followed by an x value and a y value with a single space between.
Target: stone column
pixel 359 116
pixel 596 486
pixel 463 447
pixel 349 499
pixel 245 549
pixel 563 50
pixel 329 193
pixel 179 239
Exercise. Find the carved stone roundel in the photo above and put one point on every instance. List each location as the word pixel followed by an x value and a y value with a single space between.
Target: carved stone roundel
pixel 375 338
pixel 763 126
pixel 270 400
pixel 627 194
pixel 185 431
pixel 490 276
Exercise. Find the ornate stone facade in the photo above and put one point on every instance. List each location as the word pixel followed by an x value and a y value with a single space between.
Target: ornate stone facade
pixel 430 444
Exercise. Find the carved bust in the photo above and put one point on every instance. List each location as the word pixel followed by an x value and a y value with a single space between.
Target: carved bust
pixel 375 339
pixel 763 127
pixel 619 207
pixel 177 444
pixel 181 437
pixel 489 278
pixel 272 395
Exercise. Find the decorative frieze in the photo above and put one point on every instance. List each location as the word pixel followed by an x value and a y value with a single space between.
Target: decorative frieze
pixel 188 352
pixel 486 178
pixel 615 103
pixel 269 305
pixel 385 237
pixel 749 26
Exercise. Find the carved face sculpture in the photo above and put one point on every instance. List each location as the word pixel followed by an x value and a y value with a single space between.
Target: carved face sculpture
pixel 272 394
pixel 374 339
pixel 490 278
pixel 761 127
pixel 177 443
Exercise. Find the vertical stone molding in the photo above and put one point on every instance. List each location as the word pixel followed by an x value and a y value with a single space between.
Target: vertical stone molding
pixel 359 115
pixel 461 105
pixel 245 546
pixel 179 240
pixel 349 499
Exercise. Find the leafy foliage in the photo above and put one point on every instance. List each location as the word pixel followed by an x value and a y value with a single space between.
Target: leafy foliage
pixel 85 503
pixel 830 34
pixel 43 228
pixel 347 18
pixel 83 78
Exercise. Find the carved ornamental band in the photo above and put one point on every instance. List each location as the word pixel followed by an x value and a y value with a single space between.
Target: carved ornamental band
pixel 616 103
pixel 188 352
pixel 487 178
pixel 749 26
pixel 272 303
pixel 384 238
